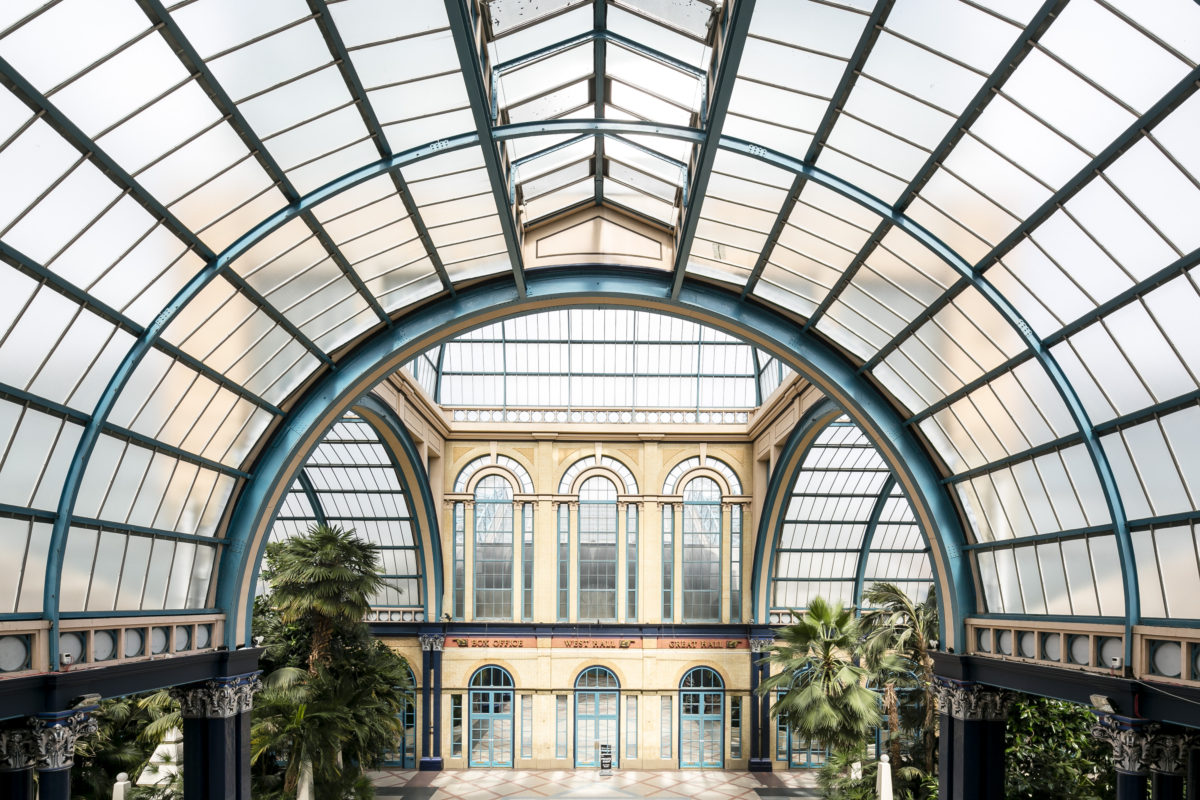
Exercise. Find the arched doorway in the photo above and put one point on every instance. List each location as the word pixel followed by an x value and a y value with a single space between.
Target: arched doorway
pixel 491 723
pixel 597 715
pixel 701 719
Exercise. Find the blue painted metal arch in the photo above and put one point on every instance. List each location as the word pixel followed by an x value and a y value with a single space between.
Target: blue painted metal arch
pixel 410 470
pixel 376 357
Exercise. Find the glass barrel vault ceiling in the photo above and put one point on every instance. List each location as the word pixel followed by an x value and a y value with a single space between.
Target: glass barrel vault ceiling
pixel 847 525
pixel 988 207
pixel 350 481
pixel 598 359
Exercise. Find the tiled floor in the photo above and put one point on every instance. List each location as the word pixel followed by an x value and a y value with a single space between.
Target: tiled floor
pixel 507 784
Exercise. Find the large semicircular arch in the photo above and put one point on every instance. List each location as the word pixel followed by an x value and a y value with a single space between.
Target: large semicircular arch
pixel 383 353
pixel 937 248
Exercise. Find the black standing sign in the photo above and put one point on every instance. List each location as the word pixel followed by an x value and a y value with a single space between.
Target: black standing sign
pixel 606 759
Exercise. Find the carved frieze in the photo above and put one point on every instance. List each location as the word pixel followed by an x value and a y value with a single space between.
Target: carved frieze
pixel 972 702
pixel 432 641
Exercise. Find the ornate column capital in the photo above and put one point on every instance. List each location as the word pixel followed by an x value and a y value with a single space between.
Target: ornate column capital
pixel 1129 740
pixel 432 641
pixel 16 748
pixel 1168 752
pixel 54 736
pixel 218 698
pixel 972 701
pixel 761 645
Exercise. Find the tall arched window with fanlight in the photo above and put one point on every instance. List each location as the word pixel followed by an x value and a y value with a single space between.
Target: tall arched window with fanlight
pixel 701 549
pixel 598 549
pixel 493 548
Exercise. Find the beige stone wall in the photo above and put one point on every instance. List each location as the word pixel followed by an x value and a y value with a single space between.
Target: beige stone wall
pixel 650 462
pixel 544 668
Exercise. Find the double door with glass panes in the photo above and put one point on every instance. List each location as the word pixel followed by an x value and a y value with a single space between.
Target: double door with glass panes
pixel 701 729
pixel 596 715
pixel 491 728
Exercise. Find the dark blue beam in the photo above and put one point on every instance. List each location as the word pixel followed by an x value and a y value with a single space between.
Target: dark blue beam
pixel 732 27
pixel 467 41
pixel 860 574
pixel 599 88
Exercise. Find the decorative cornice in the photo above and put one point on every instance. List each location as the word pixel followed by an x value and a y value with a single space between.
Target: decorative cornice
pixel 219 698
pixel 54 738
pixel 762 645
pixel 972 702
pixel 433 641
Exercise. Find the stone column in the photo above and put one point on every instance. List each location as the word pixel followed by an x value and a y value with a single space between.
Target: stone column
pixel 760 707
pixel 54 735
pixel 971 757
pixel 216 736
pixel 1144 752
pixel 17 757
pixel 432 645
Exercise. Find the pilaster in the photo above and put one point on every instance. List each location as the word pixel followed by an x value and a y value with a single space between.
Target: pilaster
pixel 760 707
pixel 432 645
pixel 1145 752
pixel 971 752
pixel 216 736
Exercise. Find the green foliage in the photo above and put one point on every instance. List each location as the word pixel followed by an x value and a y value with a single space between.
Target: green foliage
pixel 897 633
pixel 332 692
pixel 1051 754
pixel 826 695
pixel 324 580
pixel 128 729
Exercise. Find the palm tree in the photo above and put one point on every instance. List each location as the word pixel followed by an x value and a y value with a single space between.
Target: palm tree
pixel 826 695
pixel 899 629
pixel 326 579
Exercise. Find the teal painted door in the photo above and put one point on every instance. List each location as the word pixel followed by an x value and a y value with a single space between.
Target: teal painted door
pixel 491 728
pixel 595 724
pixel 701 730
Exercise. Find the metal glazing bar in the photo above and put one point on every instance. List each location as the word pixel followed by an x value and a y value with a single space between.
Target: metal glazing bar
pixel 152 334
pixel 45 406
pixel 142 530
pixel 314 500
pixel 51 279
pixel 854 66
pixel 1025 455
pixel 969 387
pixel 333 38
pixel 1141 127
pixel 599 88
pixel 466 41
pixel 264 305
pixel 39 104
pixel 726 55
pixel 195 65
pixel 599 33
pixel 1009 63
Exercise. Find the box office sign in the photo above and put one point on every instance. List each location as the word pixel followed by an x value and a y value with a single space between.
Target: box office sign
pixel 518 642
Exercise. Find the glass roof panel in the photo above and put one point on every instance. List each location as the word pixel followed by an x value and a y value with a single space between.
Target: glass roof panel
pixel 846 525
pixel 591 358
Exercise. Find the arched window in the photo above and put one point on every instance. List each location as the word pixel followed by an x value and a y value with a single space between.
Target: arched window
pixel 701 550
pixel 491 720
pixel 598 549
pixel 701 719
pixel 597 713
pixel 493 548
